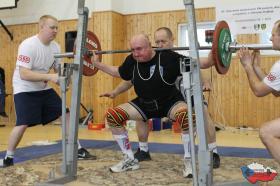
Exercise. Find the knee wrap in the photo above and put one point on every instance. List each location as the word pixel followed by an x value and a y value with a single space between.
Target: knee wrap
pixel 181 116
pixel 116 117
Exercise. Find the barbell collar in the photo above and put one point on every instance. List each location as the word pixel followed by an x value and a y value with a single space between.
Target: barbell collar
pixel 234 46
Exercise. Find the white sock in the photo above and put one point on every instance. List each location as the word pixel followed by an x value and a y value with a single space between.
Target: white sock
pixel 215 150
pixel 79 145
pixel 213 147
pixel 10 154
pixel 187 145
pixel 144 146
pixel 124 144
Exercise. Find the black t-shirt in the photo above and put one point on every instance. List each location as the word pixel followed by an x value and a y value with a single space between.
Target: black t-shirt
pixel 153 79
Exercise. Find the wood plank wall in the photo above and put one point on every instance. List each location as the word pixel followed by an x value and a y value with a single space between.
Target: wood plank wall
pixel 231 101
pixel 108 27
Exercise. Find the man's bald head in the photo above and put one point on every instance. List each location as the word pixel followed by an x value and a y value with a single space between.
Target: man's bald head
pixel 141 48
pixel 140 39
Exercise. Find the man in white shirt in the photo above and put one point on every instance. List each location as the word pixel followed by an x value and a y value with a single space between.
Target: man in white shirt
pixel 35 101
pixel 263 84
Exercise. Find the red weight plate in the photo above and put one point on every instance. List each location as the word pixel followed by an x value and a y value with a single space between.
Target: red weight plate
pixel 215 51
pixel 92 43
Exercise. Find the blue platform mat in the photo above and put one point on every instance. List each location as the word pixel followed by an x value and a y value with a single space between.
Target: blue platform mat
pixel 34 152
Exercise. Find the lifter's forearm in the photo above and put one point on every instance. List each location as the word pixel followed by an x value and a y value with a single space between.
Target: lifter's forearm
pixel 108 69
pixel 122 87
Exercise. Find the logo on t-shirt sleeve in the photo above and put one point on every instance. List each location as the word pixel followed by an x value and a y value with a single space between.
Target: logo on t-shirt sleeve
pixel 270 77
pixel 24 59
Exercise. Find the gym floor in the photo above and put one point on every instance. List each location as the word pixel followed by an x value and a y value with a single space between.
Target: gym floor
pixel 230 137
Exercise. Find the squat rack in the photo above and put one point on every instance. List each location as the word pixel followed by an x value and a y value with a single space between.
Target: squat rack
pixel 69 142
pixel 192 81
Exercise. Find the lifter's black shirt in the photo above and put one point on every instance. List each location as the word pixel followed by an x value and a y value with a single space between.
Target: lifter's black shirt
pixel 154 87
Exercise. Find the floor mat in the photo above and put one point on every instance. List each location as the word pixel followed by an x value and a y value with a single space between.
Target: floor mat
pixel 35 151
pixel 164 169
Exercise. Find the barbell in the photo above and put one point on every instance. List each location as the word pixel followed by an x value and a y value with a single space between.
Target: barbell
pixel 222 49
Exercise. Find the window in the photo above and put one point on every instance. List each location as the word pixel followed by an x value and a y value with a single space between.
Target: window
pixel 265 39
pixel 183 39
pixel 8 4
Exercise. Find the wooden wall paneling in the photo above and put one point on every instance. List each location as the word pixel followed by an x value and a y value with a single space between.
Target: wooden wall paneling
pixel 239 104
pixel 101 20
pixel 8 54
pixel 229 87
pixel 242 84
pixel 214 103
pixel 87 90
pixel 205 14
pixel 109 27
pixel 234 94
pixel 223 88
pixel 5 50
pixel 119 33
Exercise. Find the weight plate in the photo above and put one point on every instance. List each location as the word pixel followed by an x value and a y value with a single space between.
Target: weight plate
pixel 221 69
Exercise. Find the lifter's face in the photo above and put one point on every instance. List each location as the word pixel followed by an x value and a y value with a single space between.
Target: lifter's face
pixel 49 29
pixel 275 37
pixel 141 49
pixel 162 40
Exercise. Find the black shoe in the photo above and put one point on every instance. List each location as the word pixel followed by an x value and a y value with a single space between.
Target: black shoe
pixel 141 155
pixel 83 154
pixel 3 114
pixel 216 160
pixel 6 162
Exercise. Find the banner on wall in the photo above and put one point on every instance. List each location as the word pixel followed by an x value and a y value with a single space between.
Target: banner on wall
pixel 250 18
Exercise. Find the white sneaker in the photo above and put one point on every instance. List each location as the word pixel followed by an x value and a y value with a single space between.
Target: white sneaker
pixel 187 171
pixel 125 165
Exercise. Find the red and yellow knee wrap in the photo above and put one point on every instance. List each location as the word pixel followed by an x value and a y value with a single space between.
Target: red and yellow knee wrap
pixel 116 117
pixel 181 116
